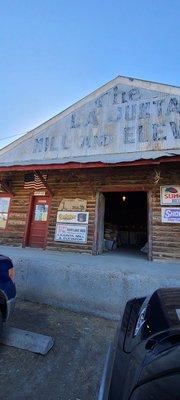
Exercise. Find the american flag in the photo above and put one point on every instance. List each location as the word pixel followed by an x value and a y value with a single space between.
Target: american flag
pixel 32 181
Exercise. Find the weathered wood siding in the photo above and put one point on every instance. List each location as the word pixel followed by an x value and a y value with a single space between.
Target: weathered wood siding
pixel 165 237
pixel 71 185
pixel 86 184
pixel 14 232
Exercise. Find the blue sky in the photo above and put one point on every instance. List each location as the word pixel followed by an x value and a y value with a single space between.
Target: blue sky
pixel 54 52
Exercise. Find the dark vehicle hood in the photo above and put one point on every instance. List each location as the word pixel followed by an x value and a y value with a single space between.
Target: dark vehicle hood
pixel 7 286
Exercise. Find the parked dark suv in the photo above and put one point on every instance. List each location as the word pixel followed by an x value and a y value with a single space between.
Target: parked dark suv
pixel 7 289
pixel 144 361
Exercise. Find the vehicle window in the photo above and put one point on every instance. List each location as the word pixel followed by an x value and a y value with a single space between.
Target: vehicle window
pixel 4 208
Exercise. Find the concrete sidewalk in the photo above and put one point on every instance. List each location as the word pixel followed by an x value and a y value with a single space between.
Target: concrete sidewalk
pixel 97 284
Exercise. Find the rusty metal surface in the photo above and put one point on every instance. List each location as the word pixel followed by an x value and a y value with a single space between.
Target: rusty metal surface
pixel 125 120
pixel 103 158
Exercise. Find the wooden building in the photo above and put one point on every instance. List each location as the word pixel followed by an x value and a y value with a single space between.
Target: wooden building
pixel 102 175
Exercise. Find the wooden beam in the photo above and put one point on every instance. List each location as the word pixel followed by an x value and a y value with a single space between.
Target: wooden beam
pixel 126 188
pixel 38 173
pixel 5 187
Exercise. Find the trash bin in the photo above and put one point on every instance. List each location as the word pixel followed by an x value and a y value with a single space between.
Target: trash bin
pixel 146 362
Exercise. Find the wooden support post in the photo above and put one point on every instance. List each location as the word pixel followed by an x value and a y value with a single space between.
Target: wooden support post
pixel 6 187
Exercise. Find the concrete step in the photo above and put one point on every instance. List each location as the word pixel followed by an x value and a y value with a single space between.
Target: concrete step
pixel 26 340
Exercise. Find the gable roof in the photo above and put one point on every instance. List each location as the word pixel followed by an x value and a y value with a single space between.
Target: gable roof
pixel 105 126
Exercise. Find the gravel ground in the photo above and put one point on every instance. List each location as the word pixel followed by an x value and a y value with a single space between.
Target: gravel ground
pixel 71 370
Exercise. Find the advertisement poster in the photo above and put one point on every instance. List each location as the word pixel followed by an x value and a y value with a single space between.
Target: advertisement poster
pixel 3 220
pixel 72 217
pixel 71 233
pixel 4 206
pixel 170 215
pixel 41 212
pixel 170 195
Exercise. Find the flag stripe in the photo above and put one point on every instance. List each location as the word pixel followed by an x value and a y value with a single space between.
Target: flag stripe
pixel 32 181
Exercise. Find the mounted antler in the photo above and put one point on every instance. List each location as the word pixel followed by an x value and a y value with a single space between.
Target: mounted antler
pixel 157 176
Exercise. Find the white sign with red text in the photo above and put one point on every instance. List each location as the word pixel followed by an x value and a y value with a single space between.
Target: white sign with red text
pixel 72 233
pixel 170 195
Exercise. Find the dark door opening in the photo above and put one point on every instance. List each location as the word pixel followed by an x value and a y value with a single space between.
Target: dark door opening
pixel 125 221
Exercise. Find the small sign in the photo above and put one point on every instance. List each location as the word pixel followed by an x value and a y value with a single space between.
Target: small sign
pixel 72 205
pixel 170 195
pixel 70 217
pixel 71 233
pixel 16 222
pixel 39 193
pixel 170 215
pixel 21 216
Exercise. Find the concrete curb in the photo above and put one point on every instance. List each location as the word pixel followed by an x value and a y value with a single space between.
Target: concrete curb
pixel 86 285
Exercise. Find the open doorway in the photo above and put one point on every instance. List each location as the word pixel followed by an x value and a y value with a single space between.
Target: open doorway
pixel 125 222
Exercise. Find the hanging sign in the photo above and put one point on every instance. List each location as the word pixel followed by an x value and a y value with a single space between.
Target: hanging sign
pixel 170 195
pixel 70 217
pixel 71 233
pixel 170 215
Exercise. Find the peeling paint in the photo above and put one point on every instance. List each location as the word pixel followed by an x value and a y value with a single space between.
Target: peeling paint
pixel 122 120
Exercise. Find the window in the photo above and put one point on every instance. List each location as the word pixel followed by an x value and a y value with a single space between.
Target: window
pixel 4 207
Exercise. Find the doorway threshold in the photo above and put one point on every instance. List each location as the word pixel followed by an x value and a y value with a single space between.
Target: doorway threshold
pixel 125 252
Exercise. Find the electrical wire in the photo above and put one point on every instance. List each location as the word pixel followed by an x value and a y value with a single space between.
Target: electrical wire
pixel 9 137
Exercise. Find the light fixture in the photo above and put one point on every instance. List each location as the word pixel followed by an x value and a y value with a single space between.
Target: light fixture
pixel 123 198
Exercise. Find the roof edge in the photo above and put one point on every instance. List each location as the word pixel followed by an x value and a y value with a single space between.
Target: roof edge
pixel 120 79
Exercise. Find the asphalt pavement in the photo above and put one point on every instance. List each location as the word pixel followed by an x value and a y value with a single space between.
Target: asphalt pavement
pixel 73 367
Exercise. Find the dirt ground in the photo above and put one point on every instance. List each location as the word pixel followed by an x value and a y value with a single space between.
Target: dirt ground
pixel 71 370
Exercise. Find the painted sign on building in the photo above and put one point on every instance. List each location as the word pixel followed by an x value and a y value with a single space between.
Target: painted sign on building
pixel 71 233
pixel 72 217
pixel 170 215
pixel 119 118
pixel 170 195
pixel 72 205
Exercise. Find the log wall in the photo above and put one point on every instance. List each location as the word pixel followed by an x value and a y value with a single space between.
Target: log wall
pixel 86 184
